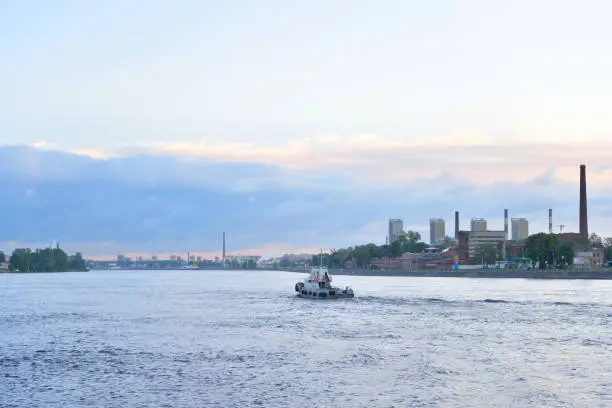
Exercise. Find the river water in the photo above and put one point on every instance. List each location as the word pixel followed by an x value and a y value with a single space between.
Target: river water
pixel 242 339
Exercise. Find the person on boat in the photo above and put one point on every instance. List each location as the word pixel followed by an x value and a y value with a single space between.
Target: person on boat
pixel 327 281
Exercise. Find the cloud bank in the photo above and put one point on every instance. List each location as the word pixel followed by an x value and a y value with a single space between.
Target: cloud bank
pixel 320 192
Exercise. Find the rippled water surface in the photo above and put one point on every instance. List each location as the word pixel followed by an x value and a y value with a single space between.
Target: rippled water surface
pixel 238 339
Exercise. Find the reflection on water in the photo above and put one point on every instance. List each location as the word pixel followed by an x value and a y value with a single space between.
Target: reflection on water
pixel 236 339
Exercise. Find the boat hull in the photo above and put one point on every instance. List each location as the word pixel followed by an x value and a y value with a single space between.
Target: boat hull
pixel 336 296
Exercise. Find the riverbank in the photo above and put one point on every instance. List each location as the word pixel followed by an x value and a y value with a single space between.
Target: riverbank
pixel 19 272
pixel 603 273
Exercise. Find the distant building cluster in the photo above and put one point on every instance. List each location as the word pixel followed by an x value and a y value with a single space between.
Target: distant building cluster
pixel 509 240
pixel 469 241
pixel 444 251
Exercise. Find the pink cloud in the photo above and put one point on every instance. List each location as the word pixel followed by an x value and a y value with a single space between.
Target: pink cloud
pixel 382 160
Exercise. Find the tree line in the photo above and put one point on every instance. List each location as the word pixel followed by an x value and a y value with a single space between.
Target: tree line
pixel 544 250
pixel 597 241
pixel 363 255
pixel 44 260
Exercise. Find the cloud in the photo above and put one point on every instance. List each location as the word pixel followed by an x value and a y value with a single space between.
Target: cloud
pixel 373 159
pixel 161 202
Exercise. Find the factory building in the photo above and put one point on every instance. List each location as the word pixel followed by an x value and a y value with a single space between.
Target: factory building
pixel 478 224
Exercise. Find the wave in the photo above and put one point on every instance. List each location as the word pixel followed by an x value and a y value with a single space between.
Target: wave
pixel 429 300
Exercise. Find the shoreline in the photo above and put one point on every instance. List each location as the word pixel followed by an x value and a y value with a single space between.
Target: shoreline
pixel 593 274
pixel 29 272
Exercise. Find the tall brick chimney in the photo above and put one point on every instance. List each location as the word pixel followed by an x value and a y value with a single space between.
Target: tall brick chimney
pixel 584 222
pixel 506 222
pixel 456 224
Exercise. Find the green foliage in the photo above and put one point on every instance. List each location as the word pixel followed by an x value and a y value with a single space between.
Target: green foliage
pixel 363 255
pixel 241 264
pixel 546 251
pixel 486 254
pixel 45 260
pixel 284 263
pixel 596 242
pixel 2 257
pixel 76 262
pixel 607 248
pixel 565 254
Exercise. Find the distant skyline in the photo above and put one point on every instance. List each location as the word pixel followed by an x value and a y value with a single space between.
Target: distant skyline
pixel 259 117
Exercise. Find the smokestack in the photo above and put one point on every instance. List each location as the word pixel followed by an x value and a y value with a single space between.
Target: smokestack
pixel 456 224
pixel 506 222
pixel 584 229
pixel 550 220
pixel 223 254
pixel 505 232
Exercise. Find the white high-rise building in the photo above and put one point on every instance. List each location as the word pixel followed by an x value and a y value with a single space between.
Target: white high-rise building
pixel 396 228
pixel 478 224
pixel 437 230
pixel 520 229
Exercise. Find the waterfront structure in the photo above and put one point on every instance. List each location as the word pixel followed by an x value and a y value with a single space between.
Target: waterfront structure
pixel 520 229
pixel 437 230
pixel 396 229
pixel 479 238
pixel 478 224
pixel 463 239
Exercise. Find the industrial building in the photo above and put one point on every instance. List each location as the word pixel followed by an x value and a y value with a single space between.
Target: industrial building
pixel 478 224
pixel 437 231
pixel 478 239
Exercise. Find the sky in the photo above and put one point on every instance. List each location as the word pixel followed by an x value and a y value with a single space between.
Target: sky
pixel 297 126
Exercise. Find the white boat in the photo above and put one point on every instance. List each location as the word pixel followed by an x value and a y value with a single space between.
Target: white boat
pixel 318 285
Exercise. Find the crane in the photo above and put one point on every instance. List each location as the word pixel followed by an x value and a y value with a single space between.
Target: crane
pixel 560 226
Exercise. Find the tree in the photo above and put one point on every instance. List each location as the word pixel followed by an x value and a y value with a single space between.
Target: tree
pixel 316 260
pixel 413 236
pixel 595 241
pixel 608 248
pixel 565 254
pixel 284 263
pixel 20 260
pixel 396 247
pixel 2 257
pixel 486 254
pixel 410 242
pixel 76 262
pixel 362 255
pixel 45 260
pixel 543 249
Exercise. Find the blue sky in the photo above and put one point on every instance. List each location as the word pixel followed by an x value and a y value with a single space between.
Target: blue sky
pixel 416 102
